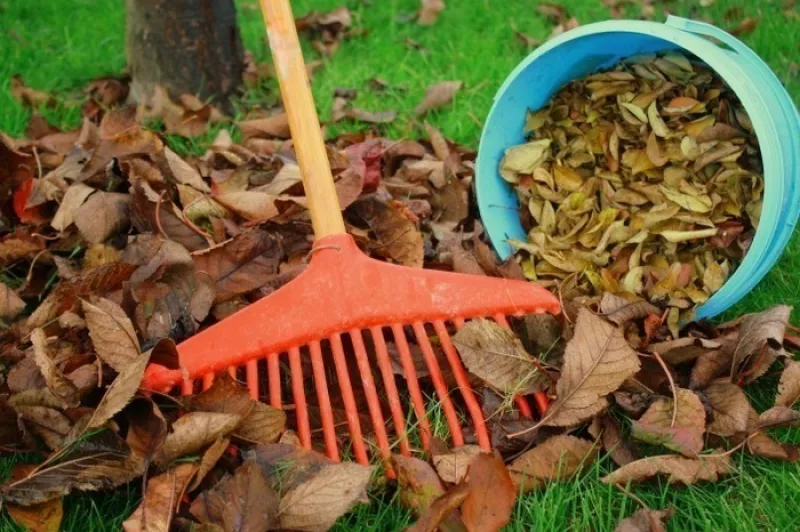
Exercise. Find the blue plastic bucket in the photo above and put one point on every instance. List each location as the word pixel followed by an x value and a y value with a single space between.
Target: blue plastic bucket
pixel 587 49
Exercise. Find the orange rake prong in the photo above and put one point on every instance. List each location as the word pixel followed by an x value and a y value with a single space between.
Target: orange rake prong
pixel 344 294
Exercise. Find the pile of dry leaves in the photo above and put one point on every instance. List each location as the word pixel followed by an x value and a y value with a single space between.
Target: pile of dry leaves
pixel 114 248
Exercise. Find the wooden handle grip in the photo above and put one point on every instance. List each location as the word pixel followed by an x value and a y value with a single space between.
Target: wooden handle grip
pixel 326 216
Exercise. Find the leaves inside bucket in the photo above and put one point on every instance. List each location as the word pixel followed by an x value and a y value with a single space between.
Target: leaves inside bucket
pixel 646 180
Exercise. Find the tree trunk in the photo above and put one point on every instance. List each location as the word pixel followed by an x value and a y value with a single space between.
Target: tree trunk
pixel 188 46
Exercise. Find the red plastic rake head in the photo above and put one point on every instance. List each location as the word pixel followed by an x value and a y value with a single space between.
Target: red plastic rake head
pixel 343 294
pixel 340 311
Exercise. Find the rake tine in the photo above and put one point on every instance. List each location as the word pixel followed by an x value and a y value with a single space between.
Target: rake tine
pixel 274 376
pixel 373 403
pixel 326 412
pixel 395 407
pixel 187 386
pixel 208 380
pixel 350 409
pixel 301 411
pixel 439 384
pixel 463 384
pixel 413 384
pixel 252 378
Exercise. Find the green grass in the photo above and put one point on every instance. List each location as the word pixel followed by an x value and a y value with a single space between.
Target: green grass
pixel 60 45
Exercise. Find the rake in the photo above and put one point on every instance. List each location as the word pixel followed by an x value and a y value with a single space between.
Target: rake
pixel 342 309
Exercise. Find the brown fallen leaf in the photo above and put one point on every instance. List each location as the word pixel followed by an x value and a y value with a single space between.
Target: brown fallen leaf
pixel 209 460
pixel 452 466
pixel 276 126
pixel 491 495
pixel 597 361
pixel 789 385
pixel 708 366
pixel 558 458
pixel 620 311
pixel 316 504
pixel 44 517
pixel 243 502
pixel 11 305
pixel 398 237
pixel 730 409
pixel 240 265
pixel 183 172
pixel 645 520
pixel 440 515
pixel 764 329
pixel 101 461
pixel 779 416
pixel 746 27
pixel 28 96
pixel 685 435
pixel 438 95
pixel 607 430
pixel 417 482
pixel 371 117
pixel 113 336
pixel 74 197
pixel 147 429
pixel 48 423
pixel 677 469
pixel 760 444
pixel 429 12
pixel 61 387
pixel 250 204
pixel 154 213
pixel 119 393
pixel 496 355
pixel 195 431
pixel 102 215
pixel 162 496
pixel 681 350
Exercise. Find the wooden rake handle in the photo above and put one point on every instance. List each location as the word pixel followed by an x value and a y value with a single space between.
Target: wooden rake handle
pixel 326 215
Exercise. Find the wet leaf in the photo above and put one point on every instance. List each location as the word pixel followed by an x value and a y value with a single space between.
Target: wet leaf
pixel 491 495
pixel 556 459
pixel 438 95
pixel 685 435
pixel 316 504
pixel 417 482
pixel 596 362
pixel 162 496
pixel 789 385
pixel 496 355
pixel 112 333
pixel 676 469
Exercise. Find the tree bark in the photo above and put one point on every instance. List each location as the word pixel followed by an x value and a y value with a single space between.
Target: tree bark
pixel 187 46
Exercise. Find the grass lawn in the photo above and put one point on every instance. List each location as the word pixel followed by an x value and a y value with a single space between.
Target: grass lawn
pixel 60 45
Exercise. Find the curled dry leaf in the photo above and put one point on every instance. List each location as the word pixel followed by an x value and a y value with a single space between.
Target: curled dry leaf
pixel 438 95
pixel 491 495
pixel 195 431
pixel 676 468
pixel 11 305
pixel 315 504
pixel 495 354
pixel 417 482
pixel 758 331
pixel 685 435
pixel 597 361
pixel 44 517
pixel 452 466
pixel 61 387
pixel 779 416
pixel 645 520
pixel 789 385
pixel 74 197
pixel 557 458
pixel 620 310
pixel 162 496
pixel 730 409
pixel 682 350
pixel 113 336
pixel 184 173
